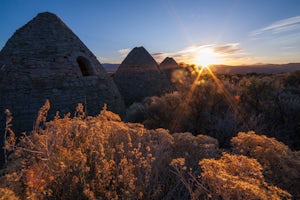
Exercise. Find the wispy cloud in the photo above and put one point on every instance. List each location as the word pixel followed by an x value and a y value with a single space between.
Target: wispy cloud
pixel 284 25
pixel 227 48
pixel 124 52
pixel 190 53
pixel 159 57
pixel 187 54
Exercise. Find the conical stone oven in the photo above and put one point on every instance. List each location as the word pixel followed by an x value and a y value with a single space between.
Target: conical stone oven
pixel 43 60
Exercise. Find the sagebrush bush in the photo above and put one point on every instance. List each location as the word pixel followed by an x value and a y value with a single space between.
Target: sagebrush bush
pixel 82 157
pixel 237 177
pixel 293 79
pixel 101 157
pixel 281 166
pixel 7 194
pixel 193 148
pixel 187 151
pixel 230 177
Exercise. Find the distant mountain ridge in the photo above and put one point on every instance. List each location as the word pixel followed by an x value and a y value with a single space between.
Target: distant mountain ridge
pixel 236 69
pixel 109 67
pixel 257 68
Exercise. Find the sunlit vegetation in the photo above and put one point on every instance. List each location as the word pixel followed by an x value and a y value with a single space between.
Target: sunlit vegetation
pixel 82 157
pixel 281 165
pixel 223 105
pixel 230 177
pixel 186 144
pixel 101 157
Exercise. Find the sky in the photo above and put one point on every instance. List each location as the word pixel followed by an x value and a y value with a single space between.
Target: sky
pixel 203 32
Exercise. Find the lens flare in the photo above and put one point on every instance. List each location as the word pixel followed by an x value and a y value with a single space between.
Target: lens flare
pixel 184 105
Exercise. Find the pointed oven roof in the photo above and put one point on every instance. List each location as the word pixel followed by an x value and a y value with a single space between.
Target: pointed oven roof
pixel 139 76
pixel 168 65
pixel 45 39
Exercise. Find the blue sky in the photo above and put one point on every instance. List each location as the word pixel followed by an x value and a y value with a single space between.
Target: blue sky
pixel 204 32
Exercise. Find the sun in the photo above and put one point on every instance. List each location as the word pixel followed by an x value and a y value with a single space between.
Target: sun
pixel 206 57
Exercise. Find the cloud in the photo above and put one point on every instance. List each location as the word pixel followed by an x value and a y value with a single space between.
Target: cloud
pixel 159 57
pixel 227 48
pixel 189 53
pixel 183 55
pixel 124 52
pixel 284 25
pixel 157 54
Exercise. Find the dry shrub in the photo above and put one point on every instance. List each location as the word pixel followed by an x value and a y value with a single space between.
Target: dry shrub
pixel 193 148
pixel 187 151
pixel 7 194
pixel 281 166
pixel 161 142
pixel 152 110
pixel 230 177
pixel 82 157
pixel 237 177
pixel 189 185
pixel 104 158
